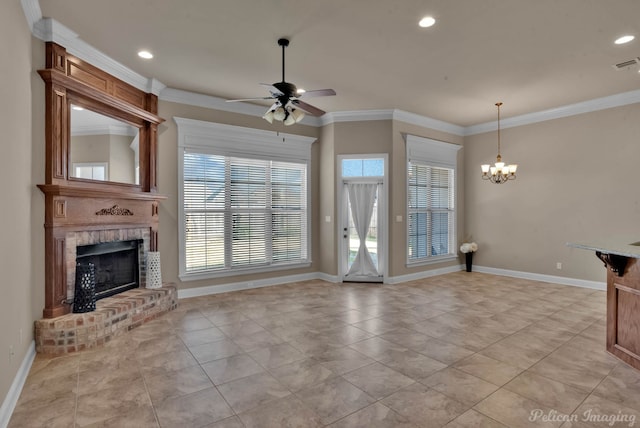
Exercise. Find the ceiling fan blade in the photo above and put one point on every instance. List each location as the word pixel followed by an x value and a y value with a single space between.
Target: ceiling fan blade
pixel 314 111
pixel 317 93
pixel 275 92
pixel 250 99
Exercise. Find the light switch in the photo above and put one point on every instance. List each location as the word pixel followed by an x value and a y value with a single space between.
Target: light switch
pixel 398 219
pixel 327 219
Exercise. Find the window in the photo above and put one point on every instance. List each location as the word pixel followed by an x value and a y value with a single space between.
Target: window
pixel 92 171
pixel 431 214
pixel 245 207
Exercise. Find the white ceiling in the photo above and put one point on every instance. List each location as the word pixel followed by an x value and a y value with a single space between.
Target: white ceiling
pixel 533 55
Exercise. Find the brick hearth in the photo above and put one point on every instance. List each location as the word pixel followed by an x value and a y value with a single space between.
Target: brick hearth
pixel 113 316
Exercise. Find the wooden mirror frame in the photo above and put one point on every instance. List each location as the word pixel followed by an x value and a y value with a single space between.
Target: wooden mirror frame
pixel 101 208
pixel 70 80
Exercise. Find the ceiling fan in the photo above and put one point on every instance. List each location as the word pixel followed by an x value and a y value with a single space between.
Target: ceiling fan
pixel 288 107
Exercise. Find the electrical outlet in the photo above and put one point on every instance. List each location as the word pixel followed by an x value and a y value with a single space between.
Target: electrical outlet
pixel 11 353
pixel 559 266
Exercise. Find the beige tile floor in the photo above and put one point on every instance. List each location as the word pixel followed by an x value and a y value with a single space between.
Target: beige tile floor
pixel 458 350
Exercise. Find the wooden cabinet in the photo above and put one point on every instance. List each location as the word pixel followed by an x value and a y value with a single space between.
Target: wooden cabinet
pixel 623 308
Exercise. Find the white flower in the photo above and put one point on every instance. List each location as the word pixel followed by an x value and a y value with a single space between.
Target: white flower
pixel 469 247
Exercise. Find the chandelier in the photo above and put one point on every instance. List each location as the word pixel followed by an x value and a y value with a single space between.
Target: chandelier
pixel 499 173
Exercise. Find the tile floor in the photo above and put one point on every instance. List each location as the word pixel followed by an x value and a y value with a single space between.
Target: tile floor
pixel 458 350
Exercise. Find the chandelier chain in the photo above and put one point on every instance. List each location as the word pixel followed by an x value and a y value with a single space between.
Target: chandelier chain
pixel 498 105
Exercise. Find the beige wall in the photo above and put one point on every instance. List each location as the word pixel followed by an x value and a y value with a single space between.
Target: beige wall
pixel 325 206
pixel 121 159
pixel 349 138
pixel 89 148
pixel 577 181
pixel 22 213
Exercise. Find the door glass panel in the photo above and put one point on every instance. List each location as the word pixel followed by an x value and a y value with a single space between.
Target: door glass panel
pixel 371 240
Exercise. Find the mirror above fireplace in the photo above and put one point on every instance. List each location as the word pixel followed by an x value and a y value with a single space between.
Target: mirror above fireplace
pixel 103 148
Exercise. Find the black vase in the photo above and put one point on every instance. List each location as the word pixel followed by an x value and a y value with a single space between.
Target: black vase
pixel 469 259
pixel 84 299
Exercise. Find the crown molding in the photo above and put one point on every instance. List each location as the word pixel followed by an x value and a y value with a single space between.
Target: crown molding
pixel 427 122
pixel 50 30
pixel 611 101
pixel 121 130
pixel 356 116
pixel 32 12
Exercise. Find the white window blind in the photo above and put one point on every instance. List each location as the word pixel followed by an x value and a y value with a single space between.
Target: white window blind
pixel 242 213
pixel 431 213
pixel 244 194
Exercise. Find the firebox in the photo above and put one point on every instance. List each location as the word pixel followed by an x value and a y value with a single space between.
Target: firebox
pixel 117 266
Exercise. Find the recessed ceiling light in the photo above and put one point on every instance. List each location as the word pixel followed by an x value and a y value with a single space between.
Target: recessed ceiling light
pixel 301 90
pixel 145 54
pixel 624 39
pixel 427 21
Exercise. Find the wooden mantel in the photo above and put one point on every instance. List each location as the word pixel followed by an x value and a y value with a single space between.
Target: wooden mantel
pixel 73 205
pixel 623 298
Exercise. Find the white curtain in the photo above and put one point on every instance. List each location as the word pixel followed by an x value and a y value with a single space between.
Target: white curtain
pixel 362 197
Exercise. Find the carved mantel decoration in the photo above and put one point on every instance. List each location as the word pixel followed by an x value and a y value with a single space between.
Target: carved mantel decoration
pixel 73 204
pixel 114 210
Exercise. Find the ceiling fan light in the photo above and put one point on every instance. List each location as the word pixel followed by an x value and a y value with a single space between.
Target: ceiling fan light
pixel 298 115
pixel 268 116
pixel 279 114
pixel 290 120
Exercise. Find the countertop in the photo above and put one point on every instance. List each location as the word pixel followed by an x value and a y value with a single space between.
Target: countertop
pixel 626 249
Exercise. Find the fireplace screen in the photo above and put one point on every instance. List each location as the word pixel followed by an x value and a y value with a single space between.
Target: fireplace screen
pixel 116 265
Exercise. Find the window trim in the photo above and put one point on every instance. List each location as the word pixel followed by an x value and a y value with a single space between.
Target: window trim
pixel 437 154
pixel 228 140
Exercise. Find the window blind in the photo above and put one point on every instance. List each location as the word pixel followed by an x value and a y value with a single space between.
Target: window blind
pixel 242 212
pixel 431 211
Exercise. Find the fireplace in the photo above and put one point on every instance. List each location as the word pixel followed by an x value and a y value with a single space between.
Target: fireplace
pixel 117 267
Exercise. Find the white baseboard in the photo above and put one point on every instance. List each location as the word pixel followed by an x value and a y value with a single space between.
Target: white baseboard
pixel 246 285
pixel 329 278
pixel 16 386
pixel 423 274
pixel 267 282
pixel 544 278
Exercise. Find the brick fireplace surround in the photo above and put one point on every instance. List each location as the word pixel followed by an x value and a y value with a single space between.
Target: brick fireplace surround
pixel 114 315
